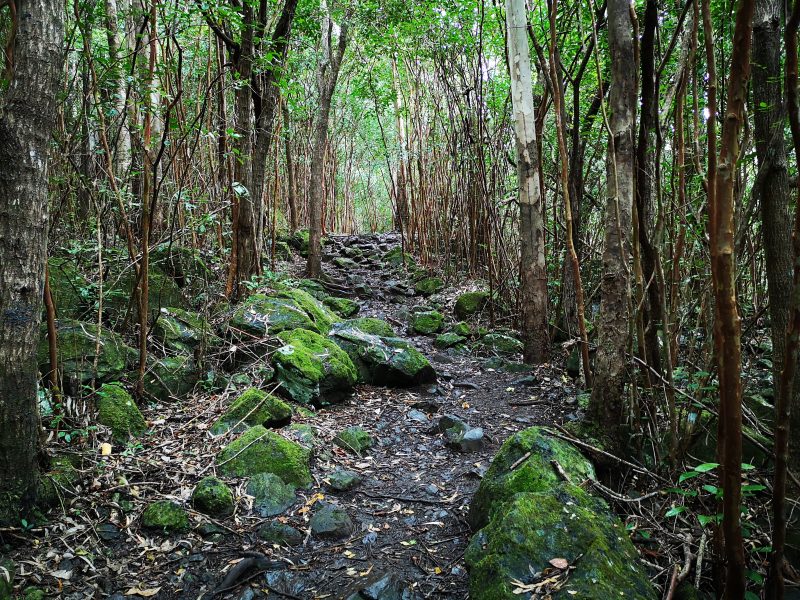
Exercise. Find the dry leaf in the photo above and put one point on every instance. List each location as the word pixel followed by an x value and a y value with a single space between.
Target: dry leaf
pixel 560 563
pixel 105 449
pixel 146 593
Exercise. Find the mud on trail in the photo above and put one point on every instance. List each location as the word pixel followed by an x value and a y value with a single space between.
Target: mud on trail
pixel 408 512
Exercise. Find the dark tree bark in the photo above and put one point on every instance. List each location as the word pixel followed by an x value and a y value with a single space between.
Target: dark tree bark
pixel 27 117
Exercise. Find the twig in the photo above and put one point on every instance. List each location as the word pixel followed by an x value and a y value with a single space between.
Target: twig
pixel 519 461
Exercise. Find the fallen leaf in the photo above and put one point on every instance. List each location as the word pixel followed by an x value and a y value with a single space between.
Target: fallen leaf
pixel 146 593
pixel 105 449
pixel 559 563
pixel 63 574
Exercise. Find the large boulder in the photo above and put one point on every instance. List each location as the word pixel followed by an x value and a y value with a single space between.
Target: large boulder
pixel 78 343
pixel 508 557
pixel 184 265
pixel 183 331
pixel 117 410
pixel 470 303
pixel 388 361
pixel 171 377
pixel 70 290
pixel 371 325
pixel 118 293
pixel 291 308
pixel 252 407
pixel 507 476
pixel 313 369
pixel 259 450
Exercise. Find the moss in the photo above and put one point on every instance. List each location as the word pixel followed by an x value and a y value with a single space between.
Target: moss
pixel 166 516
pixel 321 315
pixel 171 377
pixel 354 439
pixel 282 250
pixel 501 343
pixel 162 291
pixel 533 528
pixel 427 322
pixel 312 368
pixel 344 307
pixel 470 303
pixel 448 340
pixel 262 315
pixel 300 240
pixel 370 325
pixel 71 291
pixel 33 594
pixel 252 407
pixel 313 287
pixel 183 331
pixel 345 263
pixel 184 265
pixel 461 328
pixel 59 480
pixel 396 257
pixel 117 410
pixel 259 450
pixel 212 497
pixel 271 496
pixel 534 474
pixel 303 433
pixel 428 286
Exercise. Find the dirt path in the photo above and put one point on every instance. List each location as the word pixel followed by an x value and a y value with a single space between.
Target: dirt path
pixel 408 512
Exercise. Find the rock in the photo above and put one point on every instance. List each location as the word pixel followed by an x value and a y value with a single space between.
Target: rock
pixel 252 407
pixel 331 522
pixel 342 480
pixel 7 571
pixel 427 322
pixel 271 496
pixel 70 290
pixel 535 473
pixel 428 286
pixel 107 531
pixel 369 325
pixel 77 348
pixel 396 258
pixel 344 307
pixel 60 480
pixel 461 328
pixel 354 439
pixel 381 587
pixel 161 291
pixel 171 377
pixel 532 528
pixel 385 361
pixel 184 265
pixel 282 250
pixel 32 593
pixel 183 331
pixel 303 433
pixel 276 532
pixel 501 343
pixel 448 340
pixel 417 415
pixel 344 263
pixel 118 411
pixel 451 422
pixel 470 440
pixel 299 241
pixel 470 303
pixel 211 496
pixel 166 516
pixel 259 450
pixel 312 368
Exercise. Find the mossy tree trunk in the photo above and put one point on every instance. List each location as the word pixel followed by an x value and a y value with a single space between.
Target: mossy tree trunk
pixel 27 117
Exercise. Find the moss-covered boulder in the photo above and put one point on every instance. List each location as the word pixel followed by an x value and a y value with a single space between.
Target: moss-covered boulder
pixel 344 307
pixel 371 325
pixel 448 340
pixel 299 241
pixel 171 377
pixel 470 303
pixel 183 331
pixel 211 496
pixel 71 291
pixel 500 343
pixel 252 407
pixel 428 286
pixel 461 328
pixel 533 528
pixel 165 516
pixel 7 572
pixel 77 351
pixel 396 258
pixel 58 482
pixel 426 322
pixel 271 496
pixel 535 473
pixel 162 291
pixel 284 310
pixel 331 522
pixel 282 250
pixel 259 450
pixel 118 411
pixel 388 361
pixel 354 439
pixel 312 368
pixel 184 265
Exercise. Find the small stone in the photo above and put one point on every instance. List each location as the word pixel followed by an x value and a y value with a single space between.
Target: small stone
pixel 331 522
pixel 354 439
pixel 471 441
pixel 271 495
pixel 342 480
pixel 107 531
pixel 427 322
pixel 33 594
pixel 276 532
pixel 448 340
pixel 448 422
pixel 417 415
pixel 211 531
pixel 432 489
pixel 166 516
pixel 383 587
pixel 528 380
pixel 212 497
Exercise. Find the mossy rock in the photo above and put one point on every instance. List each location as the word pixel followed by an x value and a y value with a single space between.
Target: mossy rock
pixel 299 240
pixel 118 411
pixel 461 328
pixel 58 481
pixel 331 522
pixel 344 307
pixel 500 343
pixel 282 250
pixel 355 440
pixel 313 287
pixel 252 407
pixel 271 496
pixel 532 528
pixel 397 258
pixel 471 303
pixel 388 361
pixel 183 331
pixel 345 263
pixel 276 532
pixel 165 516
pixel 428 286
pixel 427 322
pixel 535 473
pixel 184 265
pixel 171 377
pixel 323 317
pixel 370 325
pixel 77 350
pixel 32 593
pixel 261 315
pixel 71 292
pixel 162 291
pixel 211 496
pixel 259 450
pixel 448 340
pixel 7 572
pixel 312 368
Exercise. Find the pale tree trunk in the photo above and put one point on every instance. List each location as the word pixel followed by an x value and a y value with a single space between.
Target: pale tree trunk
pixel 291 176
pixel 327 76
pixel 117 47
pixel 27 118
pixel 533 271
pixel 607 406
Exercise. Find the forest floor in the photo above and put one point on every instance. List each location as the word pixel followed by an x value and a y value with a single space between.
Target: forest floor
pixel 408 513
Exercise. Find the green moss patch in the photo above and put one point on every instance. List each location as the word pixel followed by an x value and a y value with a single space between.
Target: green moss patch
pixel 252 407
pixel 166 516
pixel 470 303
pixel 118 411
pixel 354 439
pixel 213 497
pixel 427 322
pixel 500 343
pixel 259 450
pixel 428 286
pixel 344 307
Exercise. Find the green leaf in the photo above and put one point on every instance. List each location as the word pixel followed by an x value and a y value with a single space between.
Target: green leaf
pixel 706 467
pixel 687 475
pixel 675 511
pixel 712 489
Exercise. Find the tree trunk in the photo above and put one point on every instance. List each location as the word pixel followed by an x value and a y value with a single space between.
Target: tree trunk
pixel 27 118
pixel 291 181
pixel 607 407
